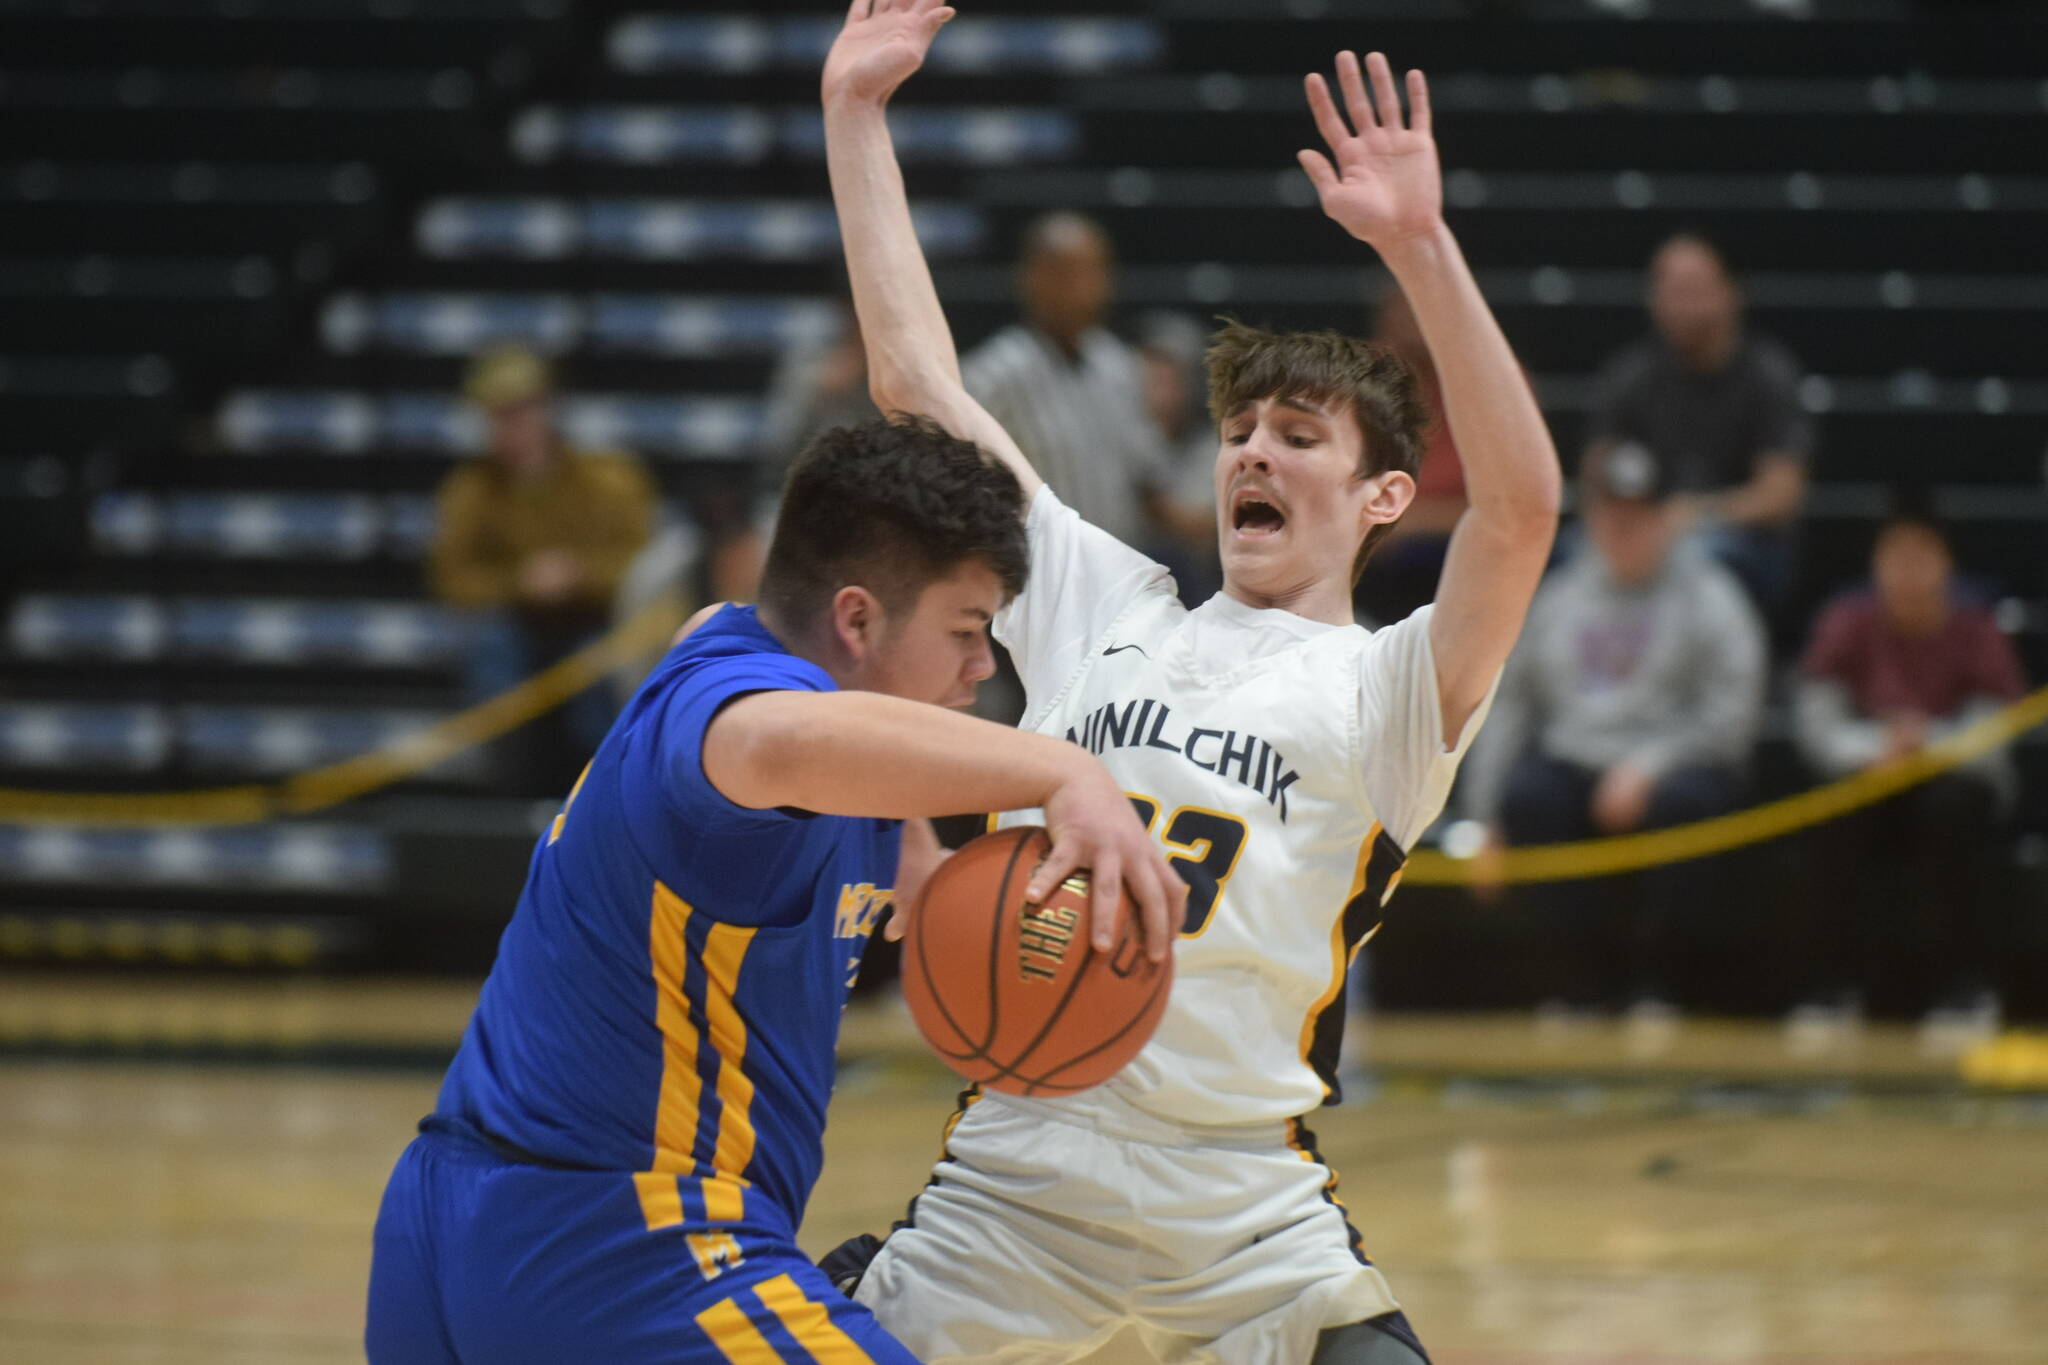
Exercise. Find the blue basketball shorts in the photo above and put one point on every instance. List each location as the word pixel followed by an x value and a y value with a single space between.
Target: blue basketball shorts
pixel 479 1258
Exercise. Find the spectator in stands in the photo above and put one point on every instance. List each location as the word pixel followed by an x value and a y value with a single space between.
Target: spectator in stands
pixel 1632 703
pixel 1072 393
pixel 1404 572
pixel 817 385
pixel 535 537
pixel 1890 669
pixel 1173 348
pixel 1721 405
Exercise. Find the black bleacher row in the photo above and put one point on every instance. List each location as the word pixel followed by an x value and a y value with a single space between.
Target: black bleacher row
pixel 250 242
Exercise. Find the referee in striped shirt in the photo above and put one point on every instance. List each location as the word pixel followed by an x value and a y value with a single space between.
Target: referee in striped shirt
pixel 1072 393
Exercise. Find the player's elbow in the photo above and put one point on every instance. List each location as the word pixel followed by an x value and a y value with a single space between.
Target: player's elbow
pixel 755 749
pixel 1524 514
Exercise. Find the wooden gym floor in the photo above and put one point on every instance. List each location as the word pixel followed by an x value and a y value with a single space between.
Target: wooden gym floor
pixel 1538 1194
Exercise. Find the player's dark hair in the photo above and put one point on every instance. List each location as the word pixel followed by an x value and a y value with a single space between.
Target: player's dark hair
pixel 1249 364
pixel 890 506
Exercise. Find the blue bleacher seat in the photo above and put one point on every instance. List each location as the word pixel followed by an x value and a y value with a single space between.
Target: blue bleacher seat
pixel 449 324
pixel 649 136
pixel 289 857
pixel 459 324
pixel 680 325
pixel 341 423
pixel 269 741
pixel 276 741
pixel 741 136
pixel 282 631
pixel 702 427
pixel 334 526
pixel 665 229
pixel 429 421
pixel 697 427
pixel 64 737
pixel 530 229
pixel 49 626
pixel 732 44
pixel 970 135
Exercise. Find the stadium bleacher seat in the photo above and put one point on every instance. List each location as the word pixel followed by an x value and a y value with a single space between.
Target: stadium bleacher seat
pixel 286 224
pixel 299 858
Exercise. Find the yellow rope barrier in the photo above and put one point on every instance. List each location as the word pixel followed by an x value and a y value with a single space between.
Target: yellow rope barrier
pixel 325 787
pixel 336 783
pixel 1632 852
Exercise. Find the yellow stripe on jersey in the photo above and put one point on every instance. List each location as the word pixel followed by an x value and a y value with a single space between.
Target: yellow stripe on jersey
pixel 675 1112
pixel 725 1198
pixel 1340 961
pixel 810 1324
pixel 737 1339
pixel 661 1199
pixel 562 817
pixel 725 949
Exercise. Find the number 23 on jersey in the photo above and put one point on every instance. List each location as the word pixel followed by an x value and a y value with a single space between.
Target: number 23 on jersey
pixel 1203 846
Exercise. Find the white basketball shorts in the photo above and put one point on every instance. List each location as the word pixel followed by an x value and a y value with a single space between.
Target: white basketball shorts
pixel 1040 1239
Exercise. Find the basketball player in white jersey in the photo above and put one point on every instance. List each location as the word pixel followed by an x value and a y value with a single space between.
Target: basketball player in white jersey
pixel 1286 757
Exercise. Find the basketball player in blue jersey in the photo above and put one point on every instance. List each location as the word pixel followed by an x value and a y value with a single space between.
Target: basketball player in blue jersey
pixel 624 1144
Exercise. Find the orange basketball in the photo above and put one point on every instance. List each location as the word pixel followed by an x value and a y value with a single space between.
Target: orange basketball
pixel 1014 996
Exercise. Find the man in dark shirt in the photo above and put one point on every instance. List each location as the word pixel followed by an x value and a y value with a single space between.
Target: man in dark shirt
pixel 1721 406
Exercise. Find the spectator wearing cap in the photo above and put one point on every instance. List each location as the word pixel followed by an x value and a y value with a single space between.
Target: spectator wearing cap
pixel 1632 702
pixel 1720 405
pixel 1890 669
pixel 535 537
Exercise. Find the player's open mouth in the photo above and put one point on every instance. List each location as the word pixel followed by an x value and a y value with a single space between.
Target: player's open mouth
pixel 1252 515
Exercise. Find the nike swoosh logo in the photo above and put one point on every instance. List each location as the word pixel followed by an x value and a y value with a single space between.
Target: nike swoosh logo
pixel 1118 649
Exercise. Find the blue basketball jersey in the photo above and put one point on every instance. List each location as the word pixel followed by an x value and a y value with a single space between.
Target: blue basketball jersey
pixel 666 999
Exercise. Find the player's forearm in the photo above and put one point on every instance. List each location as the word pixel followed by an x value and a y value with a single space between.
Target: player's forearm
pixel 1511 471
pixel 909 346
pixel 863 753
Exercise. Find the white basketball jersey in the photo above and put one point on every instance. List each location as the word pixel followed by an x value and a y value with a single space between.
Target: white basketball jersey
pixel 1285 764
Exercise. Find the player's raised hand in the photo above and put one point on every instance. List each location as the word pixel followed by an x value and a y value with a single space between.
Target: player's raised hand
pixel 1093 826
pixel 883 43
pixel 1385 185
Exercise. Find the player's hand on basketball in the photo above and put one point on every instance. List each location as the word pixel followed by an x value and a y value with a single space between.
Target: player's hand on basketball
pixel 1094 827
pixel 883 43
pixel 1385 185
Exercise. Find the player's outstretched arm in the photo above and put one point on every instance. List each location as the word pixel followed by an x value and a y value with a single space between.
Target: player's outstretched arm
pixel 863 753
pixel 1382 183
pixel 912 364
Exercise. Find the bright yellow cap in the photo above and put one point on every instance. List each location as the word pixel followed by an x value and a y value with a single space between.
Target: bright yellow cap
pixel 505 375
